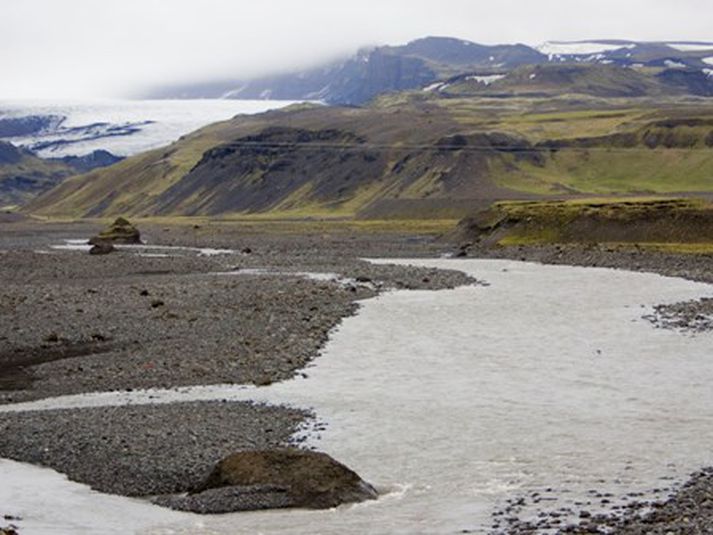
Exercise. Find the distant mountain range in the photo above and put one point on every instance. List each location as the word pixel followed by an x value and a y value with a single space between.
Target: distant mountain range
pixel 433 128
pixel 681 66
pixel 410 156
pixel 24 175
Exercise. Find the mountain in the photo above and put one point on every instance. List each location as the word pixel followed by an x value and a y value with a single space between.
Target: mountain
pixel 606 81
pixel 425 62
pixel 415 154
pixel 88 162
pixel 27 125
pixel 668 55
pixel 23 175
pixel 368 73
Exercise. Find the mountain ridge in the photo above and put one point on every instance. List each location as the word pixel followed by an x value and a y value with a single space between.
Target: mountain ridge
pixel 24 175
pixel 382 69
pixel 406 155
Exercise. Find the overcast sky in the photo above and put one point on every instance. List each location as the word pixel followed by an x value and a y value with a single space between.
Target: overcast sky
pixel 104 48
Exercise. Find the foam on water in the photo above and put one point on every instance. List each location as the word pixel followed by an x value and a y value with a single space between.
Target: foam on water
pixel 454 401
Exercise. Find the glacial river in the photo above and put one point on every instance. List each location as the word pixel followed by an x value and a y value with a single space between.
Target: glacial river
pixel 451 402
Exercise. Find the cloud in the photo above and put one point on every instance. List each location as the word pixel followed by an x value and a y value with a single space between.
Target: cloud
pixel 80 48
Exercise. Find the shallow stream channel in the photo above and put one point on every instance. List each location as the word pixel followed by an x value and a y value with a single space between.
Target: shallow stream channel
pixel 545 388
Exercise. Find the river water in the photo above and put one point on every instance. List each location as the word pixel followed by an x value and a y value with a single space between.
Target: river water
pixel 547 380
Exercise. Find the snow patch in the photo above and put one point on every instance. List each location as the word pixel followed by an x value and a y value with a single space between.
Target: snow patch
pixel 674 64
pixel 233 93
pixel 487 79
pixel 559 48
pixel 594 57
pixel 708 61
pixel 434 87
pixel 691 47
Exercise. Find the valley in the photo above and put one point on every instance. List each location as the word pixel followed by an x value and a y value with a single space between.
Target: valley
pixel 480 275
pixel 408 156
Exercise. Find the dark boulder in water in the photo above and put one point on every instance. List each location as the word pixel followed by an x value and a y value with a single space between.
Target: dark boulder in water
pixel 268 479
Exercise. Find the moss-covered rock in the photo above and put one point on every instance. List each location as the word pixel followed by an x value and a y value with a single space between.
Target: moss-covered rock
pixel 120 231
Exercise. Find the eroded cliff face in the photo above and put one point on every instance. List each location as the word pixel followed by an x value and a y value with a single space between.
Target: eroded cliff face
pixel 278 168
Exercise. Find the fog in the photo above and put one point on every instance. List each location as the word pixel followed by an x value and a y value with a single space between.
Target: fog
pixel 109 48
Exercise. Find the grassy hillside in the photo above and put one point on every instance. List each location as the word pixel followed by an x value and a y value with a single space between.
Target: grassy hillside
pixel 24 176
pixel 416 154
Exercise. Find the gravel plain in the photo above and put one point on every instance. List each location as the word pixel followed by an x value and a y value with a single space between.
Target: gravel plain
pixel 71 323
pixel 255 312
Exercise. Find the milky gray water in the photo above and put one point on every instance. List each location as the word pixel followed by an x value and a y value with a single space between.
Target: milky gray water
pixel 451 402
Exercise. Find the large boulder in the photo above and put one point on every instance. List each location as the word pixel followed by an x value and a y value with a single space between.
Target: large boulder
pixel 120 231
pixel 102 248
pixel 267 479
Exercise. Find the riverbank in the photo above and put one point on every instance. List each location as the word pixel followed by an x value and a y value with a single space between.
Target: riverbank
pixel 192 311
pixel 120 290
pixel 686 509
pixel 193 308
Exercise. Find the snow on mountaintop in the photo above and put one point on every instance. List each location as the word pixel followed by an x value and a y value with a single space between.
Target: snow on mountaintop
pixel 559 48
pixel 487 80
pixel 674 64
pixel 691 47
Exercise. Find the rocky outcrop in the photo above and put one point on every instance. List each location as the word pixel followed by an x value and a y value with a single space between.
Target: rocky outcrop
pixel 653 221
pixel 279 168
pixel 120 231
pixel 279 478
pixel 102 248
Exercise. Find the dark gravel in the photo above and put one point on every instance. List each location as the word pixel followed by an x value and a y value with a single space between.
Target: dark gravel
pixel 228 500
pixel 688 511
pixel 689 316
pixel 75 323
pixel 144 450
pixel 687 266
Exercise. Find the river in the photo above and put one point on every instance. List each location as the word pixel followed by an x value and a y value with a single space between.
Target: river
pixel 547 380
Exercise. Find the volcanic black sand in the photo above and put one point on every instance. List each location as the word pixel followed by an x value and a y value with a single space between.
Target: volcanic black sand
pixel 74 323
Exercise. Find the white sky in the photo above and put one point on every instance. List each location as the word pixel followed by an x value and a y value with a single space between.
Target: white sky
pixel 103 48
